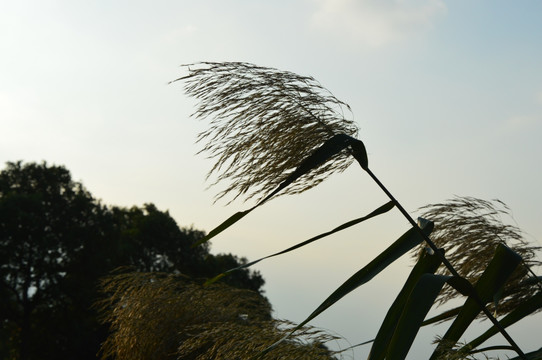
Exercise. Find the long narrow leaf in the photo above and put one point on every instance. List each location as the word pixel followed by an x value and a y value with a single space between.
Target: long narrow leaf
pixel 491 281
pixel 226 224
pixel 381 210
pixel 405 243
pixel 401 246
pixel 427 264
pixel 418 304
pixel 330 148
pixel 533 280
pixel 448 314
pixel 523 310
pixel 534 355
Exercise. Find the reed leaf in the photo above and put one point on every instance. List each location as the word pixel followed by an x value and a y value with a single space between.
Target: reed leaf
pixel 330 148
pixel 498 271
pixel 417 305
pixel 470 229
pixel 426 264
pixel 529 307
pixel 446 315
pixel 381 210
pixel 405 243
pixel 401 246
pixel 533 355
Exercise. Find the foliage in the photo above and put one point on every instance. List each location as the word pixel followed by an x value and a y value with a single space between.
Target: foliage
pixel 151 240
pixel 161 316
pixel 263 153
pixel 56 241
pixel 40 252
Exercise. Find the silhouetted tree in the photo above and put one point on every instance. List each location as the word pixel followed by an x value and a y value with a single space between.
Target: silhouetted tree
pixel 46 220
pixel 217 264
pixel 151 241
pixel 56 241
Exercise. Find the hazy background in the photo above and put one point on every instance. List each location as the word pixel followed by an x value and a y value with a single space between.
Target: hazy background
pixel 447 95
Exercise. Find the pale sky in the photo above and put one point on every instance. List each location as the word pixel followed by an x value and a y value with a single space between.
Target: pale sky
pixel 447 95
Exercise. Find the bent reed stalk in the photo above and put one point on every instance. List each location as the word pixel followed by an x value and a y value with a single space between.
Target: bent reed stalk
pixel 265 123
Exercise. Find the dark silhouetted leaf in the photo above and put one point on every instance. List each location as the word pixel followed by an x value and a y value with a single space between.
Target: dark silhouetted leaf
pixel 329 149
pixel 502 265
pixel 527 308
pixel 381 210
pixel 401 246
pixel 427 264
pixel 419 302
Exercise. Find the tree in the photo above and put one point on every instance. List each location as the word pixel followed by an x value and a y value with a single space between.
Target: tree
pixel 56 241
pixel 151 241
pixel 46 220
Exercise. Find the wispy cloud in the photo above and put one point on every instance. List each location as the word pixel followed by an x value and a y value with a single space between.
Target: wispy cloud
pixel 188 29
pixel 375 23
pixel 525 122
pixel 520 124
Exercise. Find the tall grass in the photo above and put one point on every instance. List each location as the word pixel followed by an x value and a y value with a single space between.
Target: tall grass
pixel 273 132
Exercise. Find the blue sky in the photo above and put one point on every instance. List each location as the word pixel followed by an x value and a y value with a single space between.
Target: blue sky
pixel 447 95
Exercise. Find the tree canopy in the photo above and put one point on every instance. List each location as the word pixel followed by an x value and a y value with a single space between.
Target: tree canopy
pixel 57 241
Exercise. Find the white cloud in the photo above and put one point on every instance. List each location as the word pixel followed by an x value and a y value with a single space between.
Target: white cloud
pixel 520 123
pixel 375 23
pixel 188 29
pixel 525 122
